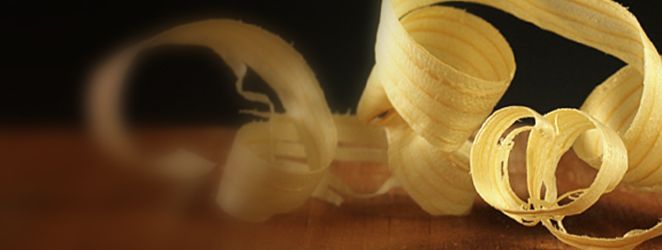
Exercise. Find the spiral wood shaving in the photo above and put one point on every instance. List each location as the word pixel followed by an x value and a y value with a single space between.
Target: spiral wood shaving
pixel 438 75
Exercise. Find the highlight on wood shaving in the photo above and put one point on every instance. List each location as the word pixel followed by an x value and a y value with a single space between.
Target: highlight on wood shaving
pixel 438 75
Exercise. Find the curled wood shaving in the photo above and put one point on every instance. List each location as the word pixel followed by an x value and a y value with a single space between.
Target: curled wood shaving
pixel 439 72
pixel 435 95
pixel 274 166
pixel 552 135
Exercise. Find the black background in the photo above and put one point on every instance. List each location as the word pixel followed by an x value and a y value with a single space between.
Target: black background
pixel 48 48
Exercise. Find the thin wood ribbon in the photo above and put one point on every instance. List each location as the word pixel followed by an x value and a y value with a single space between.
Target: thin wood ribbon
pixel 440 71
pixel 438 75
pixel 273 166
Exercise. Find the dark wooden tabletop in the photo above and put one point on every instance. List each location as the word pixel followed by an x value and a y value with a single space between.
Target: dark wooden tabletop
pixel 58 192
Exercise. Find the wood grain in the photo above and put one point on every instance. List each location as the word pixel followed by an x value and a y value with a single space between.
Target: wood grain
pixel 58 191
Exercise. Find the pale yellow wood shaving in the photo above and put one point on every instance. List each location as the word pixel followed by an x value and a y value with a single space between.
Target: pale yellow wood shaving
pixel 274 166
pixel 439 72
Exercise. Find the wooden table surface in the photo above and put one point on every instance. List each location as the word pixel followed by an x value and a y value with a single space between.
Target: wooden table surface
pixel 58 192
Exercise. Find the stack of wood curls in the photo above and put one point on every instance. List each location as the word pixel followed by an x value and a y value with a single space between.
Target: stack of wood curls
pixel 438 75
